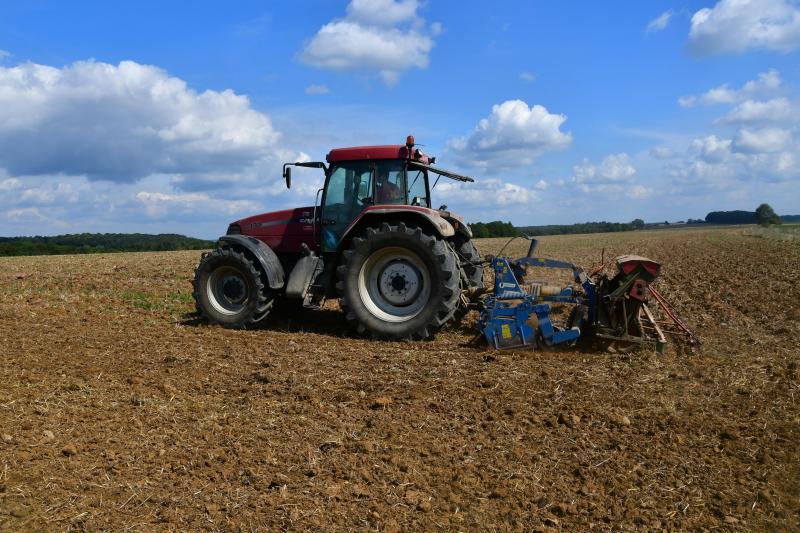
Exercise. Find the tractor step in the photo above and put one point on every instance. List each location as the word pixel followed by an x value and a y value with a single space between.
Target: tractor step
pixel 303 274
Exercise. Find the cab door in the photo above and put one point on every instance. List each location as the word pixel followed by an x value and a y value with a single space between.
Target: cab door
pixel 348 190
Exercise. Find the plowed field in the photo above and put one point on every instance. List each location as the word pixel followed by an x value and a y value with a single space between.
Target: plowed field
pixel 119 412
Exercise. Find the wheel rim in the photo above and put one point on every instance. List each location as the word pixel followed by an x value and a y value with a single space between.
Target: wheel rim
pixel 227 290
pixel 394 284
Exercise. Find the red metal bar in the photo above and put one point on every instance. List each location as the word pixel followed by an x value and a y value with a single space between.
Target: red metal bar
pixel 681 325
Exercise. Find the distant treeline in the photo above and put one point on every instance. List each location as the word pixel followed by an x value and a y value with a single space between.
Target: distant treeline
pixel 482 230
pixel 585 227
pixel 742 217
pixel 764 214
pixel 89 243
pixel 506 229
pixel 731 217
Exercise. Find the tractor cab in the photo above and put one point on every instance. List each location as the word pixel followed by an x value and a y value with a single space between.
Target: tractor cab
pixel 369 179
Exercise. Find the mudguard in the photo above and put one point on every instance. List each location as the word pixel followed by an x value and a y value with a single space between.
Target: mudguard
pixel 433 218
pixel 266 257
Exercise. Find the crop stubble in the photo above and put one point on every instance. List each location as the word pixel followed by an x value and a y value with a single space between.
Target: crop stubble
pixel 117 411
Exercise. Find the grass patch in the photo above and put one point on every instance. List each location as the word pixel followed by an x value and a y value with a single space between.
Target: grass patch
pixel 139 299
pixel 181 297
pixel 174 302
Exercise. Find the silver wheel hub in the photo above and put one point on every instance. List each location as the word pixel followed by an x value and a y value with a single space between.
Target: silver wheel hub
pixel 394 284
pixel 399 283
pixel 227 290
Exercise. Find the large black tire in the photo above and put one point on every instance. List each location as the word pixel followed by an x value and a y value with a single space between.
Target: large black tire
pixel 230 290
pixel 474 273
pixel 397 282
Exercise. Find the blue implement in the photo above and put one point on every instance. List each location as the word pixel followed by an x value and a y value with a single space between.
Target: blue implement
pixel 512 317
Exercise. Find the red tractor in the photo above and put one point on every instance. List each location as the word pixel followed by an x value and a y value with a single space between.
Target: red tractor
pixel 400 269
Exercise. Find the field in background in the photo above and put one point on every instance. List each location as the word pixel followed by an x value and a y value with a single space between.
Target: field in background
pixel 119 411
pixel 788 232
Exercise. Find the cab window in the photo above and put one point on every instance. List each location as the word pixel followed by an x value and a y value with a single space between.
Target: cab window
pixel 417 189
pixel 390 183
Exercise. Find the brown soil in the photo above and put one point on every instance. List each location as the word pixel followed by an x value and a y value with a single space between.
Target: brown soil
pixel 117 412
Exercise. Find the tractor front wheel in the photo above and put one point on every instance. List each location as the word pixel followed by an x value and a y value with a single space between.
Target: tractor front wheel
pixel 398 282
pixel 230 290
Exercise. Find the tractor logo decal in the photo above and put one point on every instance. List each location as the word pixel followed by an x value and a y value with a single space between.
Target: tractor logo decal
pixel 255 225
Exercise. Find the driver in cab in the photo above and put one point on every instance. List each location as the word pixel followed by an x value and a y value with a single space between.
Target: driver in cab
pixel 387 192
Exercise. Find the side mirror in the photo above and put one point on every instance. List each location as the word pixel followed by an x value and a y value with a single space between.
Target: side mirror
pixel 287 175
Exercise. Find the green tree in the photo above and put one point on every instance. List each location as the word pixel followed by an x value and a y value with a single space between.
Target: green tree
pixel 765 215
pixel 493 229
pixel 479 230
pixel 637 223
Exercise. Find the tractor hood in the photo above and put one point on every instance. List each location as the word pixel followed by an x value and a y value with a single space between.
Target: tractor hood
pixel 283 230
pixel 284 219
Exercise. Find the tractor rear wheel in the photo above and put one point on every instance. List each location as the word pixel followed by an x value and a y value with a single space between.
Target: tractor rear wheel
pixel 472 274
pixel 468 252
pixel 229 290
pixel 398 282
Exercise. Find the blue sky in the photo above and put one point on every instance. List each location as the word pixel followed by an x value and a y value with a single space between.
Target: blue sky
pixel 175 117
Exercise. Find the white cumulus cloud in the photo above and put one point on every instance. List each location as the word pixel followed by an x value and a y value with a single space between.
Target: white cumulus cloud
pixel 733 26
pixel 712 149
pixel 718 95
pixel 614 176
pixel 776 110
pixel 755 156
pixel 493 190
pixel 383 36
pixel 765 83
pixel 756 149
pixel 514 134
pixel 122 123
pixel 765 140
pixel 158 204
pixel 613 168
